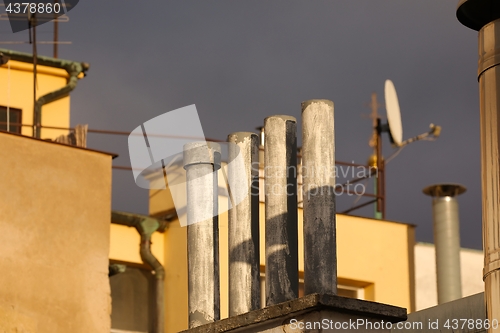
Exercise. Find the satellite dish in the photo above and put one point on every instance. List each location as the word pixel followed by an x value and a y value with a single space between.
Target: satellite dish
pixel 393 113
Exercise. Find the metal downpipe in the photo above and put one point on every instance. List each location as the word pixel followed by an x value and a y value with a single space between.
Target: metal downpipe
pixel 54 96
pixel 148 258
pixel 73 68
pixel 146 226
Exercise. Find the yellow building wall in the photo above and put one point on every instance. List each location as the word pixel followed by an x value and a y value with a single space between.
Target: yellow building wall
pixel 125 241
pixel 374 255
pixel 54 234
pixel 17 92
pixel 176 284
pixel 378 252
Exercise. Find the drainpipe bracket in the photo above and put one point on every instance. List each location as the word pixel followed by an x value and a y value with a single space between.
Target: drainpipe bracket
pixel 148 226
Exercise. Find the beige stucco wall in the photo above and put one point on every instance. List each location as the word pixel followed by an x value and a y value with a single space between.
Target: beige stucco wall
pixel 55 204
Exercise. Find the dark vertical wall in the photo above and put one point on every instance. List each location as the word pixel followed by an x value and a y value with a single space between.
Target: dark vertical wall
pixel 132 295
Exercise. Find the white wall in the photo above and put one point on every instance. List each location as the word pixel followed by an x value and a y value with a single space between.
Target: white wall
pixel 471 262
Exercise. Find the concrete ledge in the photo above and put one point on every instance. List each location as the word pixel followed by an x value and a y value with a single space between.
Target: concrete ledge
pixel 283 312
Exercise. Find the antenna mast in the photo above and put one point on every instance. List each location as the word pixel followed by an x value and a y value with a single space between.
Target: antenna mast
pixel 377 160
pixel 32 29
pixel 56 32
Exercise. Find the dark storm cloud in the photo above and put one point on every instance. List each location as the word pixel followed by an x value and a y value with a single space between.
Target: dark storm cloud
pixel 240 62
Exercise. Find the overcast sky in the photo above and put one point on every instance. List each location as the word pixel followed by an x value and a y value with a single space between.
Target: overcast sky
pixel 241 61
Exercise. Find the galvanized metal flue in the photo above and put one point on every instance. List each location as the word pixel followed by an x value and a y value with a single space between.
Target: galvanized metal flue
pixel 446 239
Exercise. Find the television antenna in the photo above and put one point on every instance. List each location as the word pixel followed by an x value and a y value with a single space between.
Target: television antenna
pixel 44 18
pixel 394 128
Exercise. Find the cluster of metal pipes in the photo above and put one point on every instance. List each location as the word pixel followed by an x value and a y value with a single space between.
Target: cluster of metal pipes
pixel 202 160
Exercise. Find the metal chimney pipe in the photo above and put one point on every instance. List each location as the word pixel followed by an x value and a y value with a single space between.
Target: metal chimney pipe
pixel 318 174
pixel 243 225
pixel 280 177
pixel 484 15
pixel 201 160
pixel 489 101
pixel 446 239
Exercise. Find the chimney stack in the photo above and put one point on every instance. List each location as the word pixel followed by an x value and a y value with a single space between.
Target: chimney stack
pixel 318 191
pixel 243 225
pixel 446 239
pixel 484 16
pixel 280 178
pixel 201 161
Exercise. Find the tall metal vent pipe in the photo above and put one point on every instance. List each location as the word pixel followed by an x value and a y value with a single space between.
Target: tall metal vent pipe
pixel 446 239
pixel 201 161
pixel 243 225
pixel 318 173
pixel 484 16
pixel 280 173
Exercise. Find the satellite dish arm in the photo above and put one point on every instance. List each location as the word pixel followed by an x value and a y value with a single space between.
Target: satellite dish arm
pixel 432 135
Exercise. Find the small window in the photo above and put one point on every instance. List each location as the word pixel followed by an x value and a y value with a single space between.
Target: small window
pixel 12 122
